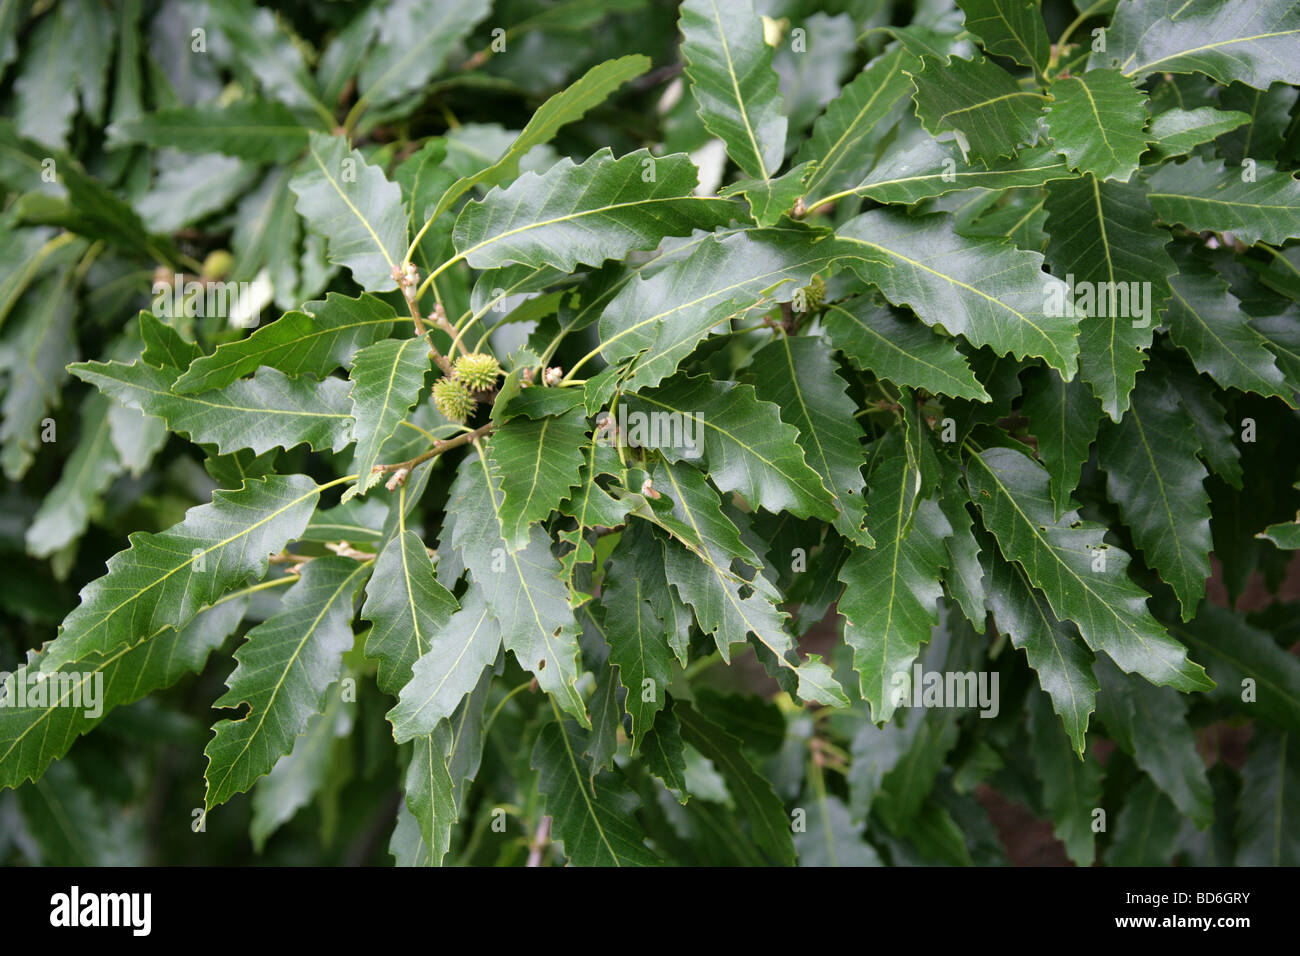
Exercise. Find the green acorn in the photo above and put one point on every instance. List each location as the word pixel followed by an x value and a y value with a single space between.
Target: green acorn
pixel 478 371
pixel 453 399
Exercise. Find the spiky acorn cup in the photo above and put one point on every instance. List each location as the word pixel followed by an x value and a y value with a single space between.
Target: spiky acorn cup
pixel 453 399
pixel 479 371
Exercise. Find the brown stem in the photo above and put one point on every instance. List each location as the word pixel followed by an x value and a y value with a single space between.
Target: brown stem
pixel 439 446
pixel 414 306
pixel 439 318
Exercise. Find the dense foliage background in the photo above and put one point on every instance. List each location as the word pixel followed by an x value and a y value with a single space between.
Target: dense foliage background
pixel 441 605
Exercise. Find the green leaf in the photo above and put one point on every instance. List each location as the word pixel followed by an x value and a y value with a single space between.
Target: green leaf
pixel 258 130
pixel 570 104
pixel 1284 534
pixel 876 751
pixel 1283 339
pixel 314 340
pixel 725 275
pixel 308 770
pixel 727 606
pixel 38 347
pixel 1096 121
pixel 798 376
pixel 929 736
pixel 1063 418
pixel 1205 196
pixel 1150 723
pixel 1145 828
pixel 285 666
pixel 1071 786
pixel 442 763
pixel 697 523
pixel 265 48
pixel 458 650
pixel 1217 440
pixel 1208 322
pixel 1059 557
pixel 964 576
pixel 69 825
pixel 650 571
pixel 387 379
pixel 164 579
pixel 603 705
pixel 1152 473
pixel 900 349
pixel 1235 652
pixel 1102 240
pixel 1269 805
pixel 979 100
pixel 408 608
pixel 1052 647
pixel 1250 42
pixel 33 736
pixel 844 138
pixel 1175 132
pixel 289 411
pixel 771 199
pixel 430 792
pixel 183 195
pixel 601 209
pixel 984 289
pixel 730 69
pixel 66 55
pixel 830 837
pixel 355 207
pixel 769 826
pixel 539 461
pixel 891 597
pixel 415 38
pixel 165 347
pixel 591 814
pixel 65 511
pixel 89 209
pixel 266 239
pixel 931 167
pixel 742 440
pixel 638 638
pixel 1011 28
pixel 591 506
pixel 662 749
pixel 24 253
pixel 523 589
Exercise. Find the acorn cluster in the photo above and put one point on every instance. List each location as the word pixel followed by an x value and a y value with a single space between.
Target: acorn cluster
pixel 453 395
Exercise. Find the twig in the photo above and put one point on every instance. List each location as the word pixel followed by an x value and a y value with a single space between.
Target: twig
pixel 439 318
pixel 408 280
pixel 404 468
pixel 541 840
